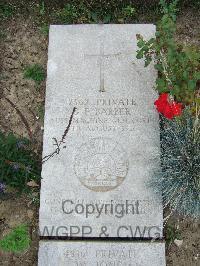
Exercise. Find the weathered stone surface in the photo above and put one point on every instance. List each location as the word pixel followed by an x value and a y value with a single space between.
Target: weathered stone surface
pixel 82 253
pixel 97 186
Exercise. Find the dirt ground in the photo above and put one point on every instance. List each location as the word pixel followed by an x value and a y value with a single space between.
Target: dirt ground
pixel 23 44
pixel 14 212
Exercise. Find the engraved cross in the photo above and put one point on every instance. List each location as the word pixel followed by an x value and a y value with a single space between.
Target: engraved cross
pixel 101 58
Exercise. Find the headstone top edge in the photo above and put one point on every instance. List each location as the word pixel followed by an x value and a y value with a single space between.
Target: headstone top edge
pixel 143 242
pixel 149 25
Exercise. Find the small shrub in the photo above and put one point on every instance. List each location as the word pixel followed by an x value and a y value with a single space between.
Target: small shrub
pixel 178 66
pixel 128 13
pixel 6 11
pixel 2 34
pixel 178 84
pixel 45 30
pixel 35 72
pixel 17 241
pixel 2 187
pixel 95 12
pixel 179 179
pixel 96 17
pixel 42 9
pixel 18 163
pixel 34 198
pixel 69 14
pixel 172 233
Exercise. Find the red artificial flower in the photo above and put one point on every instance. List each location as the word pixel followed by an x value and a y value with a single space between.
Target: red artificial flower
pixel 169 108
pixel 161 102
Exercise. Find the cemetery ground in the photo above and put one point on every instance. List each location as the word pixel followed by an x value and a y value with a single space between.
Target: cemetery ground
pixel 24 43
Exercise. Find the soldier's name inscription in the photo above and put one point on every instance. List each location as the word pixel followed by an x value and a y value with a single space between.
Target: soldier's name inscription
pixel 102 114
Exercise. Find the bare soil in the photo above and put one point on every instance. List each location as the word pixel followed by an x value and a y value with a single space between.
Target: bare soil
pixel 14 212
pixel 188 254
pixel 23 44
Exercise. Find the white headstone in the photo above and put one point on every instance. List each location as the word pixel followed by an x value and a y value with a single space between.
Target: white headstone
pixel 97 186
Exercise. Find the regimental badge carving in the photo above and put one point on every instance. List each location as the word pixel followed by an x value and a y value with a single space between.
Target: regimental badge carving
pixel 101 164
